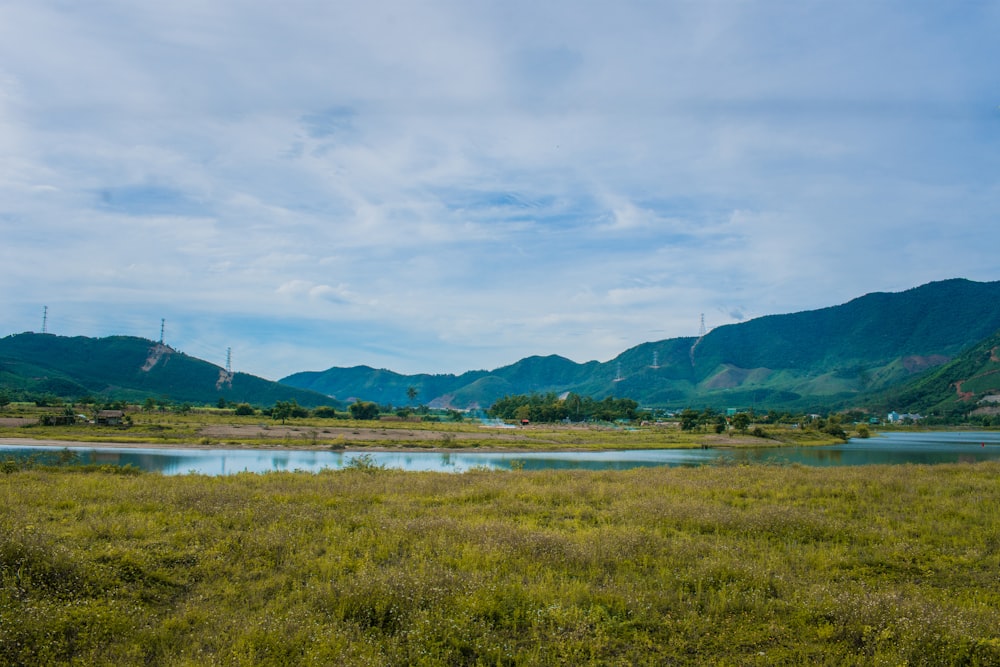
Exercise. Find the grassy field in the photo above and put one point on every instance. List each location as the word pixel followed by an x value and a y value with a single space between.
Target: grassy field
pixel 740 565
pixel 223 428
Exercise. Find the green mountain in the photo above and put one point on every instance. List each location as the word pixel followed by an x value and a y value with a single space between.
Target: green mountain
pixel 968 384
pixel 129 368
pixel 530 375
pixel 817 359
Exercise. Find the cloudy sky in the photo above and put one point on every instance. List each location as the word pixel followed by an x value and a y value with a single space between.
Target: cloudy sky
pixel 438 186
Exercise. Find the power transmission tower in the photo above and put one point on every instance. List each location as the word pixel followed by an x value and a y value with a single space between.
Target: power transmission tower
pixel 229 361
pixel 656 359
pixel 45 319
pixel 701 330
pixel 163 324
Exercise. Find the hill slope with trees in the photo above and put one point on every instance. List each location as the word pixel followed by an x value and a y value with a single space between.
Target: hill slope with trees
pixel 831 357
pixel 969 384
pixel 129 368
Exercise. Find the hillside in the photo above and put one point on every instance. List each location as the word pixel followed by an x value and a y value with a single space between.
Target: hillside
pixel 125 367
pixel 969 383
pixel 815 359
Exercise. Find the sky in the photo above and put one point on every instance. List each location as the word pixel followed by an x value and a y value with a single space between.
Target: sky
pixel 435 186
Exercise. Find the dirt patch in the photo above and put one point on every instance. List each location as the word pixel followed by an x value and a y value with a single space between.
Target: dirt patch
pixel 17 421
pixel 155 354
pixel 32 442
pixel 916 363
pixel 963 395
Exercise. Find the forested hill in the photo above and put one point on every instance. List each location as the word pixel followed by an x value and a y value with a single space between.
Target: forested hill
pixel 822 358
pixel 129 368
pixel 968 384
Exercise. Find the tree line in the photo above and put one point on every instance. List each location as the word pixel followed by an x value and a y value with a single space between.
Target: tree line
pixel 551 408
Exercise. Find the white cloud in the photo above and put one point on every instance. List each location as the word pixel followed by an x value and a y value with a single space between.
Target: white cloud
pixel 448 186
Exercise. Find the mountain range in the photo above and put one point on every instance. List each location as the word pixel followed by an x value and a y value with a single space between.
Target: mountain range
pixel 130 368
pixel 931 348
pixel 812 360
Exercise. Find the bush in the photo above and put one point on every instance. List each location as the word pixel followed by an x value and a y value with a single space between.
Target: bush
pixel 835 430
pixel 365 410
pixel 364 463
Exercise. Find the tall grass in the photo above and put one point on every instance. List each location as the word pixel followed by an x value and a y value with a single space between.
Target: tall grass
pixel 733 565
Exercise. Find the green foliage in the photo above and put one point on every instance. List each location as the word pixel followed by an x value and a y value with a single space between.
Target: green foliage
pixel 810 361
pixel 363 463
pixel 364 410
pixel 691 420
pixel 547 408
pixel 282 410
pixel 741 422
pixel 130 368
pixel 954 388
pixel 737 565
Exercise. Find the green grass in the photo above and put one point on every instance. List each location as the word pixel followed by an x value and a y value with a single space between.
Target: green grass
pixel 737 565
pixel 195 428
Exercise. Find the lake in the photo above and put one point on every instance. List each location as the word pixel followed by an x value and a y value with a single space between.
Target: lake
pixel 888 448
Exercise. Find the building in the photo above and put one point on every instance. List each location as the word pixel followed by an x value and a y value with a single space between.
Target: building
pixel 896 418
pixel 110 418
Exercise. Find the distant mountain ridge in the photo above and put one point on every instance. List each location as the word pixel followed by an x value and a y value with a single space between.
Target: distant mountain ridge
pixel 130 368
pixel 818 358
pixel 901 350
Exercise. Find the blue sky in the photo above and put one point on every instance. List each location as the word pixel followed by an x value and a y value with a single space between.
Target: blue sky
pixel 437 186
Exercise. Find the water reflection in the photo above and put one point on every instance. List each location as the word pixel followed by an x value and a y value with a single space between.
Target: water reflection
pixel 892 448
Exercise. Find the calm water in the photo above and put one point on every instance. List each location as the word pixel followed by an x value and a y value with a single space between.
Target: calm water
pixel 891 448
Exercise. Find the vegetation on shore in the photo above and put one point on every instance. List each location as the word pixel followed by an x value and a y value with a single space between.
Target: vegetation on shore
pixel 714 565
pixel 306 430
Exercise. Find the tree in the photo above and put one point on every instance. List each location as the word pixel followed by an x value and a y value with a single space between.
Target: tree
pixel 364 410
pixel 411 393
pixel 282 410
pixel 720 424
pixel 741 422
pixel 689 419
pixel 4 399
